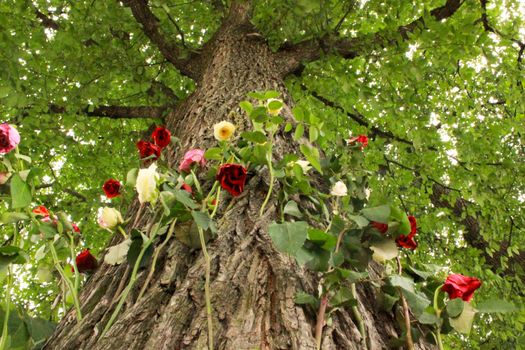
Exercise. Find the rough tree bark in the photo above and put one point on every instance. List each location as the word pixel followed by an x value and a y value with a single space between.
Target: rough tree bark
pixel 253 286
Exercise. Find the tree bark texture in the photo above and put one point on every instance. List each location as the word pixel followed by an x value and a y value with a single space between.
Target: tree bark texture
pixel 252 285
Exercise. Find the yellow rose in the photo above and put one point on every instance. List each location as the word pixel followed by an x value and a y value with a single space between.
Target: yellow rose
pixel 223 130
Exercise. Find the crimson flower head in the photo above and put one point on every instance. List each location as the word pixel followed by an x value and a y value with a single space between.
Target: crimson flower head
pixel 86 262
pixel 111 188
pixel 147 149
pixel 161 136
pixel 379 226
pixel 408 241
pixel 232 178
pixel 362 139
pixel 41 211
pixel 187 188
pixel 459 286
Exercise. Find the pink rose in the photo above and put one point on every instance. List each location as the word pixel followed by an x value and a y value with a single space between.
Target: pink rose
pixel 192 156
pixel 9 138
pixel 4 177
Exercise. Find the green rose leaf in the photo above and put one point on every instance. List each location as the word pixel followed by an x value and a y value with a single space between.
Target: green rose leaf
pixel 455 307
pixel 496 305
pixel 20 192
pixel 380 214
pixel 288 237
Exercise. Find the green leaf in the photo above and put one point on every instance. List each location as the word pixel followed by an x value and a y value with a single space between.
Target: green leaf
pixel 343 297
pixel 271 94
pixel 312 155
pixel 299 132
pixel 131 177
pixel 455 307
pixel 496 305
pixel 380 214
pixel 288 237
pixel 213 153
pixel 246 106
pixel 275 105
pixel 254 136
pixel 20 192
pixel 402 282
pixel 203 220
pixel 385 249
pixel 117 254
pixel 303 298
pixel 184 198
pixel 292 209
pixel 463 323
pixel 428 318
pixel 313 133
pixel 320 237
pixel 13 217
pixel 359 220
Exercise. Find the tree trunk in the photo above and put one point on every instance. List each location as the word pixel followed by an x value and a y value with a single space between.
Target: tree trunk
pixel 252 285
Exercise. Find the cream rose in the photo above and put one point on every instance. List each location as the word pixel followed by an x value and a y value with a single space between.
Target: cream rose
pixel 109 218
pixel 146 184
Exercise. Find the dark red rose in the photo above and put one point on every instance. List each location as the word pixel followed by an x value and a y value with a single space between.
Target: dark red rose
pixel 86 262
pixel 232 178
pixel 111 188
pixel 406 242
pixel 459 286
pixel 187 188
pixel 413 225
pixel 161 136
pixel 147 149
pixel 41 211
pixel 379 226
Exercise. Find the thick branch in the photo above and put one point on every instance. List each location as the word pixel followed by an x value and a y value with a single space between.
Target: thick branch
pixel 151 27
pixel 117 112
pixel 472 233
pixel 46 21
pixel 291 57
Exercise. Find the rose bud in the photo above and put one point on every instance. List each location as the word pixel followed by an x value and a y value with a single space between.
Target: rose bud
pixel 109 218
pixel 9 138
pixel 459 286
pixel 86 262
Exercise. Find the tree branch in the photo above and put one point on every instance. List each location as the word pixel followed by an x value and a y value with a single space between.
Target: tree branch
pixel 46 21
pixel 151 27
pixel 290 58
pixel 116 112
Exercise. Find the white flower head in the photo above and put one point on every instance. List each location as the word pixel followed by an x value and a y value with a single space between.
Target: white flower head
pixel 146 184
pixel 109 218
pixel 304 164
pixel 339 189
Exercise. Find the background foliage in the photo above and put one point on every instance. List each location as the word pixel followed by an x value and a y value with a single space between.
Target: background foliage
pixel 444 108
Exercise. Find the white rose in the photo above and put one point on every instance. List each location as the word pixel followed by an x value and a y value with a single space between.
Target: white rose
pixel 109 218
pixel 146 184
pixel 339 189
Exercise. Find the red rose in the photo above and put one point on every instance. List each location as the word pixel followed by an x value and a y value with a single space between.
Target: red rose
pixel 232 178
pixel 187 188
pixel 459 286
pixel 111 188
pixel 86 262
pixel 379 226
pixel 362 139
pixel 161 136
pixel 147 149
pixel 413 225
pixel 75 227
pixel 408 241
pixel 41 211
